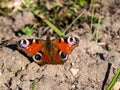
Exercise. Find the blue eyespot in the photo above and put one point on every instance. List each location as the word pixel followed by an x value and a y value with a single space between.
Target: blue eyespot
pixel 37 57
pixel 63 55
pixel 24 43
pixel 72 40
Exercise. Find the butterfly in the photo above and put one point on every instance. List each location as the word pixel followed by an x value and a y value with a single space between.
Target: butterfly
pixel 48 51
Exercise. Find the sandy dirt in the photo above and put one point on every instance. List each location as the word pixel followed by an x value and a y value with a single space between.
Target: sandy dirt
pixel 90 66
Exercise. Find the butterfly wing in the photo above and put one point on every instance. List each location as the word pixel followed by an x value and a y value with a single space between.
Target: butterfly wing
pixel 63 48
pixel 66 44
pixel 29 46
pixel 36 49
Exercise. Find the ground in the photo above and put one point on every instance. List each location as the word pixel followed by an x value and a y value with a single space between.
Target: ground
pixel 90 66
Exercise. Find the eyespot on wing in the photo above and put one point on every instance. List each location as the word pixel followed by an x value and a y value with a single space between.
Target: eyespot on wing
pixel 66 44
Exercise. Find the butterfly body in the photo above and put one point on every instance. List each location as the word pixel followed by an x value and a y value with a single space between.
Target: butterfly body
pixel 48 51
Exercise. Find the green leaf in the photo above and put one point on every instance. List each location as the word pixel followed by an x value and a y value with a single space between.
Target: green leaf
pixel 33 85
pixel 27 31
pixel 27 1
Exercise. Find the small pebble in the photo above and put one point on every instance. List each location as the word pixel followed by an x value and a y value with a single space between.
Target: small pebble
pixel 74 71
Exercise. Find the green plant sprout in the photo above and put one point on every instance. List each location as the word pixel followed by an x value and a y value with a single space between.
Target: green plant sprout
pixel 27 1
pixel 91 24
pixel 74 21
pixel 82 2
pixel 33 85
pixel 114 80
pixel 40 10
pixel 98 28
pixel 92 21
pixel 27 31
pixel 58 31
pixel 51 25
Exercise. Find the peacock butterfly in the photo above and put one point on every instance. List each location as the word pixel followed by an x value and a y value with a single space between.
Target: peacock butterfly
pixel 49 51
